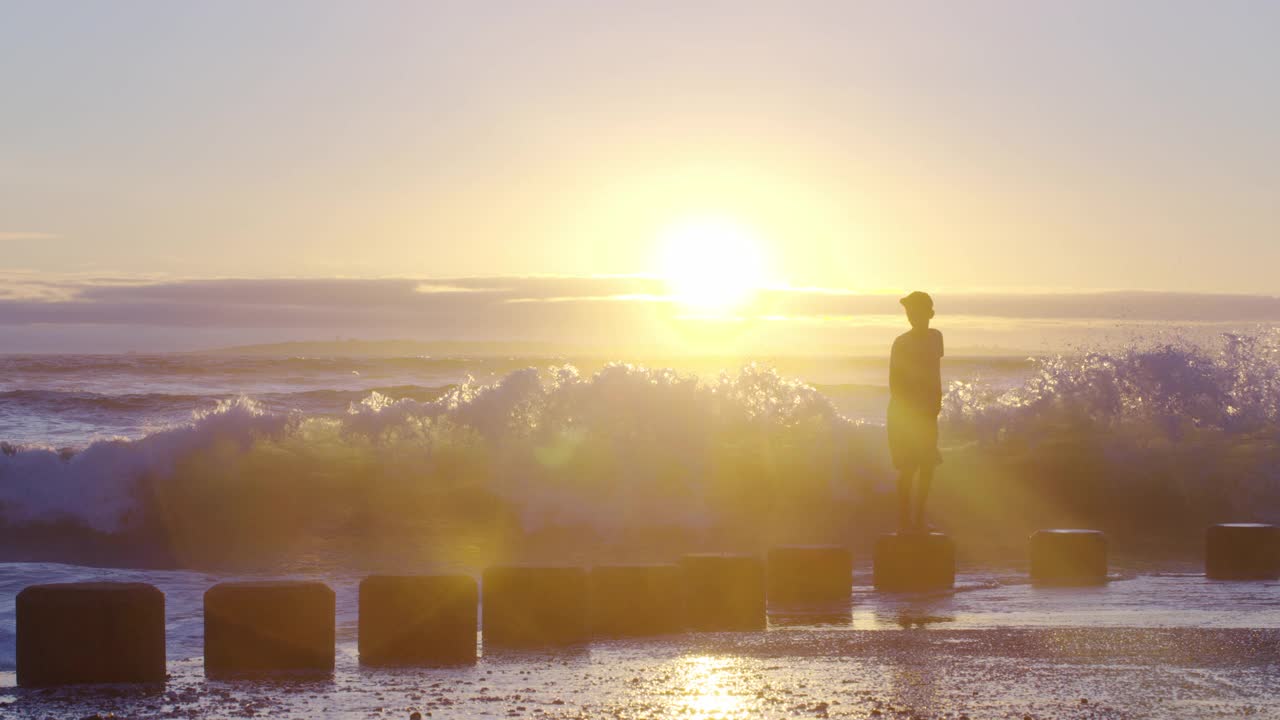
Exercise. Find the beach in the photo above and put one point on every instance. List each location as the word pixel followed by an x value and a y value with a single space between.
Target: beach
pixel 1012 673
pixel 1143 646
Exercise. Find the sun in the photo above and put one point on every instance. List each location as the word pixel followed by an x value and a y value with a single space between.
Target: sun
pixel 712 264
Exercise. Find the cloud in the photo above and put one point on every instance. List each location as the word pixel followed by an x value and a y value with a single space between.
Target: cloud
pixel 15 235
pixel 587 309
pixel 628 297
pixel 428 288
pixel 1115 306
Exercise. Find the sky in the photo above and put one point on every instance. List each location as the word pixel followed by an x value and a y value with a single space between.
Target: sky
pixel 973 149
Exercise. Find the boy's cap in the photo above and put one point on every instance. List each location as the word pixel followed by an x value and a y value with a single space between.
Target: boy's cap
pixel 917 299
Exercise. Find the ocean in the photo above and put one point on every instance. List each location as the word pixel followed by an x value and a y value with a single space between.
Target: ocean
pixel 184 469
pixel 70 401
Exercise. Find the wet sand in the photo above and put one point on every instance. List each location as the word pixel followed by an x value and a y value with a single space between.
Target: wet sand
pixel 787 672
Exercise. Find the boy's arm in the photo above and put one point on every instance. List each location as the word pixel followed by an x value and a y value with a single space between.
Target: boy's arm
pixel 941 352
pixel 895 372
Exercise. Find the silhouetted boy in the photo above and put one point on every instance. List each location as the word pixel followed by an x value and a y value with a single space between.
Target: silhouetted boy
pixel 915 399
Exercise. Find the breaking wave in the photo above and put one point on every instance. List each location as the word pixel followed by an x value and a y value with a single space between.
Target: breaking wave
pixel 1149 440
pixel 626 447
pixel 1154 441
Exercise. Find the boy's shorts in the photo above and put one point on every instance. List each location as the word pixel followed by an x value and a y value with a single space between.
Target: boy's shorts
pixel 913 438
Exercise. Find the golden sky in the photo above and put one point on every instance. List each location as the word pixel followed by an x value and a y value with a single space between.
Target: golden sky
pixel 998 146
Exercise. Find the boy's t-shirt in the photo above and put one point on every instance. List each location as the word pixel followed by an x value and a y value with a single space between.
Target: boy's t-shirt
pixel 915 370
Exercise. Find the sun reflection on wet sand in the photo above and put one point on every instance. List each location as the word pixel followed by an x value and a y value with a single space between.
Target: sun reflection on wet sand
pixel 714 687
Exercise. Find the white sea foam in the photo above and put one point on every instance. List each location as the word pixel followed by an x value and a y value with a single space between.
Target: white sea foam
pixel 530 425
pixel 629 446
pixel 98 485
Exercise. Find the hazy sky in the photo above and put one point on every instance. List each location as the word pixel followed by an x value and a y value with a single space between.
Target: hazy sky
pixel 974 145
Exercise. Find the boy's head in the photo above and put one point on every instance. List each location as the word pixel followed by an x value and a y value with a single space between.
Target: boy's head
pixel 919 308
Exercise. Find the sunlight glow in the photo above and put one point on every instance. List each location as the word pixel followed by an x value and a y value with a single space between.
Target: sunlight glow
pixel 712 264
pixel 711 687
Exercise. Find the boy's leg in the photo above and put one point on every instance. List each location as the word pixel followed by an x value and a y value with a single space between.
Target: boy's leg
pixel 922 493
pixel 904 498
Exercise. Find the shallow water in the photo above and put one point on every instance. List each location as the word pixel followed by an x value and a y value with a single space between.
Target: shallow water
pixel 981 600
pixel 1080 673
pixel 1143 645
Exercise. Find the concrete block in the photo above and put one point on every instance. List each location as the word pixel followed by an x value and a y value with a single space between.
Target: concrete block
pixel 914 561
pixel 418 620
pixel 267 627
pixel 636 600
pixel 1068 557
pixel 723 592
pixel 1242 551
pixel 810 574
pixel 93 632
pixel 526 606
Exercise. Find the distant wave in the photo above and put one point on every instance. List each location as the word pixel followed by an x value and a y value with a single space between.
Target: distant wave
pixel 56 401
pixel 199 364
pixel 60 400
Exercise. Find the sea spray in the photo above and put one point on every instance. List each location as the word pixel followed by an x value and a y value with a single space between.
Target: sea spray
pixel 97 486
pixel 628 445
pixel 1159 439
pixel 622 449
pixel 1233 386
pixel 1146 443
